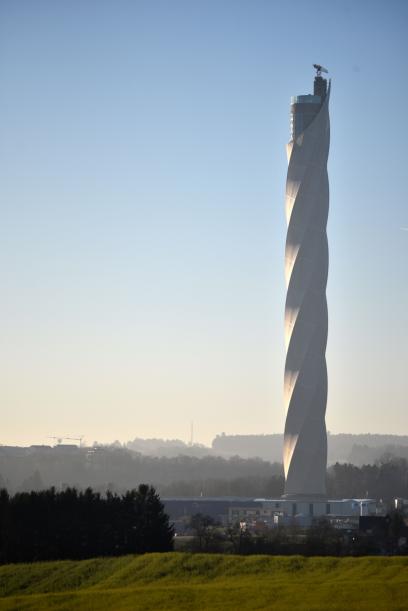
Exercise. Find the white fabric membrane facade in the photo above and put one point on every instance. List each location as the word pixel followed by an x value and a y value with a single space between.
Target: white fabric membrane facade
pixel 306 269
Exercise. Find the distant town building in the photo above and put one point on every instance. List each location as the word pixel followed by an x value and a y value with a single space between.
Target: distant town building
pixel 401 505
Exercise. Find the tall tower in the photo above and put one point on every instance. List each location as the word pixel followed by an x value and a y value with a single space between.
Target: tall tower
pixel 306 268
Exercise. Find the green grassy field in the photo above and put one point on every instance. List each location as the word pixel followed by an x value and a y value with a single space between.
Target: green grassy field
pixel 178 582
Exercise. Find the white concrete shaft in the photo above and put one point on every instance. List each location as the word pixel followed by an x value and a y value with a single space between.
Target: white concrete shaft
pixel 306 268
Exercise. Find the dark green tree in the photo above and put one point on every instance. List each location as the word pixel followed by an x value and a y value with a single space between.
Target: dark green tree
pixel 50 525
pixel 205 529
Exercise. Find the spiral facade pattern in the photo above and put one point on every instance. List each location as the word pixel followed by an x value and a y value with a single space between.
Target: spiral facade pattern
pixel 306 320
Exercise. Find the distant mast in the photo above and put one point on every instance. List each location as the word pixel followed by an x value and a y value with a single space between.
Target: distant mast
pixel 306 269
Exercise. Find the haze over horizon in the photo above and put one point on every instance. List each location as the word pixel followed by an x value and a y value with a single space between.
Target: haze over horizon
pixel 143 167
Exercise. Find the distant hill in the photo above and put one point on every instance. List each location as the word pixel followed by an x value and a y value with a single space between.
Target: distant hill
pixel 363 454
pixel 343 447
pixel 173 467
pixel 167 447
pixel 117 468
pixel 267 447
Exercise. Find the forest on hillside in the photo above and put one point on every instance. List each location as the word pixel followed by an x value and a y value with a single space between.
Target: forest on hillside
pixel 118 469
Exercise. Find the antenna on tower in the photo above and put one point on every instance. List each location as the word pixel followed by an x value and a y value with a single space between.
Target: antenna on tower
pixel 191 433
pixel 319 69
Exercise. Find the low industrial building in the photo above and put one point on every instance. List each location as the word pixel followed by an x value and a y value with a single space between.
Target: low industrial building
pixel 270 513
pixel 342 513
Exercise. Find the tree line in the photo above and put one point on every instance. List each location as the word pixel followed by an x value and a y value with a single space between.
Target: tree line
pixel 51 525
pixel 119 470
pixel 320 539
pixel 386 480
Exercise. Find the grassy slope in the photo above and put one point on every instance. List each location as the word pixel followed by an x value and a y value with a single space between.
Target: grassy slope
pixel 178 582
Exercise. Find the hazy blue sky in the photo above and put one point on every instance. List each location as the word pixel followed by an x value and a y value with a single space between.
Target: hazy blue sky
pixel 142 176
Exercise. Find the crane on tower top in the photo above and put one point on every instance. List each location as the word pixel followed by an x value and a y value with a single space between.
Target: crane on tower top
pixel 319 69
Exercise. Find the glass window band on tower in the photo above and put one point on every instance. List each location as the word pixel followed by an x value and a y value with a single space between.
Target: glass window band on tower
pixel 303 110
